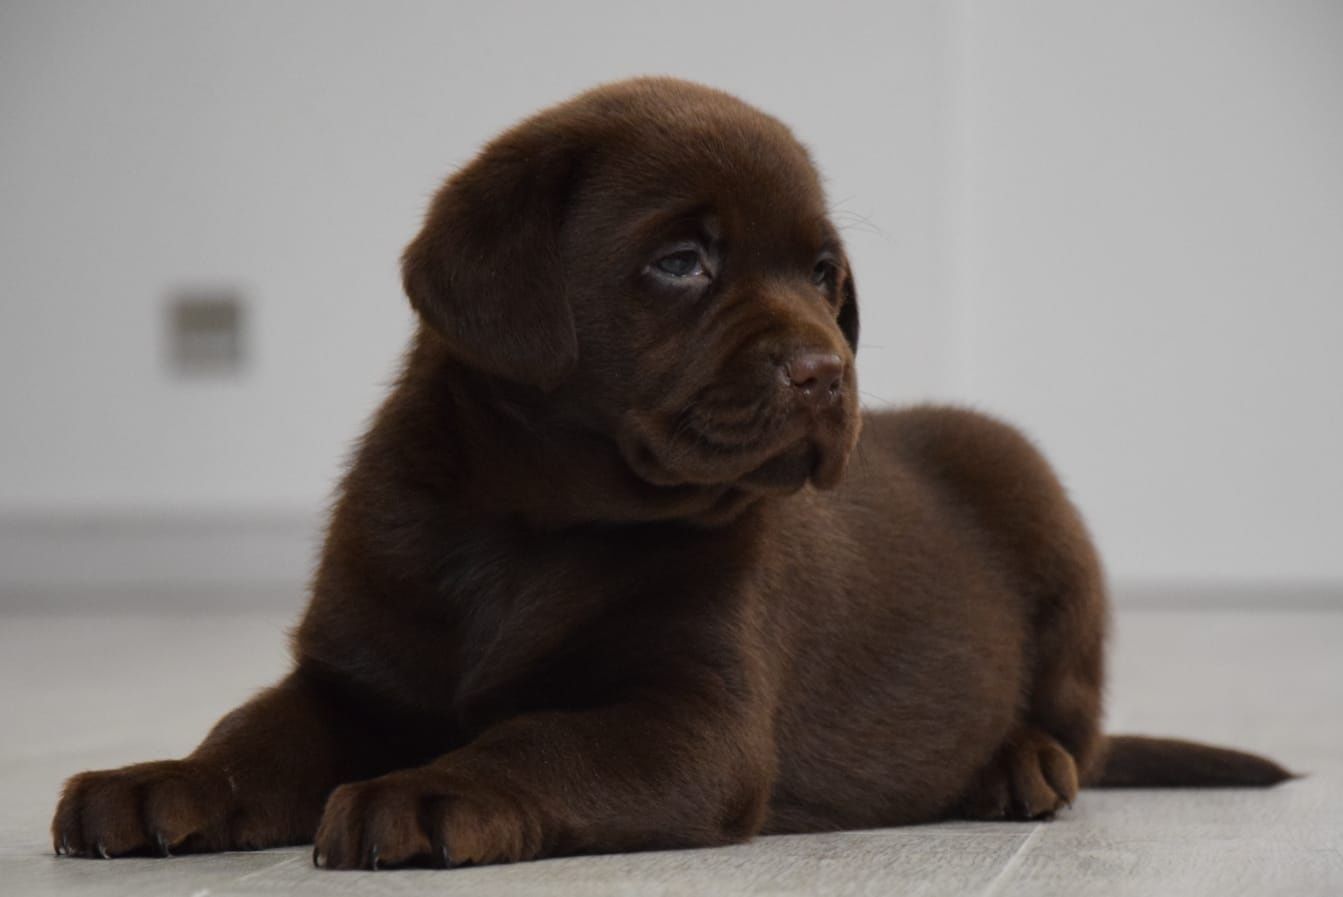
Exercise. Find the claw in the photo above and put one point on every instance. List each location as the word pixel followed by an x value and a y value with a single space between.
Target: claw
pixel 373 858
pixel 317 856
pixel 447 860
pixel 65 844
pixel 102 850
pixel 163 845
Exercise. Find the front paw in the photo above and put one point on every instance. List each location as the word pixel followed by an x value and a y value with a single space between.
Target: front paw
pixel 421 816
pixel 147 809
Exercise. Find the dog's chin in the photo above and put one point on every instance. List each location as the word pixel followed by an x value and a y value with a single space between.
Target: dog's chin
pixel 807 458
pixel 785 473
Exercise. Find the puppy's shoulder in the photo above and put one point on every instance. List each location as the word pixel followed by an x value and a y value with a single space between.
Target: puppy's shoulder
pixel 938 428
pixel 963 449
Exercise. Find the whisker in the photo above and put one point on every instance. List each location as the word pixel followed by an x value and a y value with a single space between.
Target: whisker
pixel 872 395
pixel 847 219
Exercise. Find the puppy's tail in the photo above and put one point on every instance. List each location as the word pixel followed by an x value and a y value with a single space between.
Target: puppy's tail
pixel 1133 761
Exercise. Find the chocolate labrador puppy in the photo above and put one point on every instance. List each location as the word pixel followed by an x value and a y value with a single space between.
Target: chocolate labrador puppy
pixel 597 579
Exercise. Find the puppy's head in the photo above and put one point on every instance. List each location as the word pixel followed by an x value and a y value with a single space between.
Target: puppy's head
pixel 655 259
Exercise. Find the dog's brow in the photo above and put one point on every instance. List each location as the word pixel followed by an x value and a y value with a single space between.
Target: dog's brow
pixel 829 236
pixel 697 220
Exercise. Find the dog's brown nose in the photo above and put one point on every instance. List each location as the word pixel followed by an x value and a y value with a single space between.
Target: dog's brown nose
pixel 816 375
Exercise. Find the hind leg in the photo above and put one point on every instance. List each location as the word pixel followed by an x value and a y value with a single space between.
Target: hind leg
pixel 1056 745
pixel 1040 542
pixel 1031 777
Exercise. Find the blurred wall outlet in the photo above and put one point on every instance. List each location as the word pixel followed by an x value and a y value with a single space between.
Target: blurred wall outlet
pixel 206 332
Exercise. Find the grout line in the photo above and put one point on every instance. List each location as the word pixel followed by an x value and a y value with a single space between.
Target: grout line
pixel 304 855
pixel 1015 860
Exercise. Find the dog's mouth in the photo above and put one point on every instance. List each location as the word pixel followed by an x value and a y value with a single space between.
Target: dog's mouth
pixel 787 471
pixel 776 452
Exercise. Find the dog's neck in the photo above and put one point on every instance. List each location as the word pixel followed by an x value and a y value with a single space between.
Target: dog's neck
pixel 500 450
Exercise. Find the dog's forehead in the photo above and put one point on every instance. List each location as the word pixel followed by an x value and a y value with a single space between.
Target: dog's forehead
pixel 731 165
pixel 668 144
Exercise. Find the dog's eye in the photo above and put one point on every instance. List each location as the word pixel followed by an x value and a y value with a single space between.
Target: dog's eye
pixel 683 263
pixel 825 274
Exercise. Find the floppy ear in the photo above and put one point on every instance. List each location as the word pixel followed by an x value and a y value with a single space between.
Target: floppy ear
pixel 485 271
pixel 848 312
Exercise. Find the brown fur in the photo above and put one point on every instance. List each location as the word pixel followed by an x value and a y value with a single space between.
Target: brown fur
pixel 597 579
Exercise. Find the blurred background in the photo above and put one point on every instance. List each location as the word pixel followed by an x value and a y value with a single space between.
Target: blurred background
pixel 1119 225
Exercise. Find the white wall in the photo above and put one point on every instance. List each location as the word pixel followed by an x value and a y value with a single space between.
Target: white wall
pixel 1151 270
pixel 1116 223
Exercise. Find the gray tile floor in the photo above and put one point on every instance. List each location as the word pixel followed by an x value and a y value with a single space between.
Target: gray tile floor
pixel 101 689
